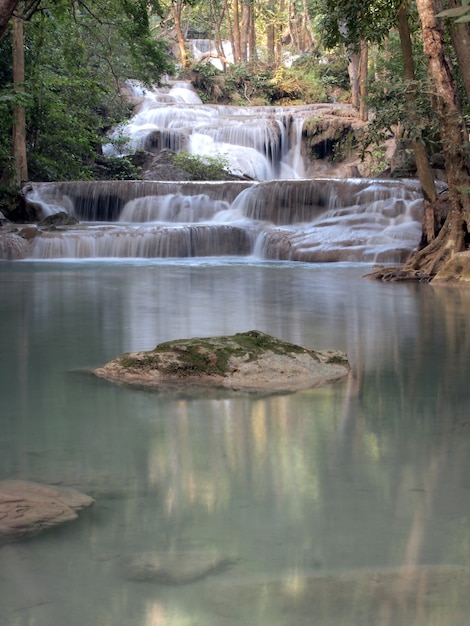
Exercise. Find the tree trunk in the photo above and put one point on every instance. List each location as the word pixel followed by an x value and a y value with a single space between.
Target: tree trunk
pixel 454 235
pixel 363 70
pixel 20 163
pixel 425 174
pixel 230 30
pixel 177 10
pixel 237 55
pixel 252 39
pixel 245 32
pixel 6 11
pixel 353 69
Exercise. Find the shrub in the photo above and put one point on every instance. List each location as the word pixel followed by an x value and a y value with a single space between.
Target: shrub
pixel 202 167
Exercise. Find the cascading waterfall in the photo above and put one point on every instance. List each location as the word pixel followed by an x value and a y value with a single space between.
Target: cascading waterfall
pixel 311 220
pixel 280 215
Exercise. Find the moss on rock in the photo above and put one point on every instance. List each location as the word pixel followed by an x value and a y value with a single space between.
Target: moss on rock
pixel 250 361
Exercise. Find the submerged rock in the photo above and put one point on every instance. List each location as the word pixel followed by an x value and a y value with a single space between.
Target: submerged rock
pixel 175 568
pixel 27 508
pixel 251 361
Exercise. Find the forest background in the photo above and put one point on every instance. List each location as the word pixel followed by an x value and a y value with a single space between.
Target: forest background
pixel 405 66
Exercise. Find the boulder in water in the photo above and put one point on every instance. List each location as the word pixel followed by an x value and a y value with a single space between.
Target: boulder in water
pixel 62 218
pixel 250 361
pixel 27 508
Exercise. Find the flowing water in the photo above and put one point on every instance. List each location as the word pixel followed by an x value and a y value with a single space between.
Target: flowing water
pixel 280 216
pixel 311 220
pixel 342 505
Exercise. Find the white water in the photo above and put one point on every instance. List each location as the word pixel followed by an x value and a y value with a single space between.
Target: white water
pixel 280 215
pixel 354 220
pixel 259 142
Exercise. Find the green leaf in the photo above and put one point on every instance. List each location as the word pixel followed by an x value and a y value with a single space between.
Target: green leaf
pixel 456 12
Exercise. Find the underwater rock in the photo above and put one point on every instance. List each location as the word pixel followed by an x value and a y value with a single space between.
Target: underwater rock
pixel 27 508
pixel 250 361
pixel 175 568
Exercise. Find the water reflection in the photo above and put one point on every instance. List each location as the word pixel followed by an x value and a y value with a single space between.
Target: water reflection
pixel 343 505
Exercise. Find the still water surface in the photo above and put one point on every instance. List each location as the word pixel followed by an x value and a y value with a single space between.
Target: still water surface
pixel 347 505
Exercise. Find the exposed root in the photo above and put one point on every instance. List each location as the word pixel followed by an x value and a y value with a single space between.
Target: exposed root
pixel 422 266
pixel 424 263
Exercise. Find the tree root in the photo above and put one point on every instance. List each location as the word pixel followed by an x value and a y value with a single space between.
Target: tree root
pixel 423 264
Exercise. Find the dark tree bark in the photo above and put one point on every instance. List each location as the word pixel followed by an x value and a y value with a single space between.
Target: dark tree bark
pixel 20 163
pixel 6 11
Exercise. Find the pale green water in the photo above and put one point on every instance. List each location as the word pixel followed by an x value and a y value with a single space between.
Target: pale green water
pixel 308 493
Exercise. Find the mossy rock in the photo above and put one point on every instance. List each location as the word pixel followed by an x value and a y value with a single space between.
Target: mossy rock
pixel 252 361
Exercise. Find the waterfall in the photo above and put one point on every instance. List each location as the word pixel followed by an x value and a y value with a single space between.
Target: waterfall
pixel 255 140
pixel 280 215
pixel 309 220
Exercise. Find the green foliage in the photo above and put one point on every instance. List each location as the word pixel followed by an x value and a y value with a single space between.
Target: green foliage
pixel 250 85
pixel 388 101
pixel 115 168
pixel 309 81
pixel 240 85
pixel 202 167
pixel 350 21
pixel 77 55
pixel 305 82
pixel 459 14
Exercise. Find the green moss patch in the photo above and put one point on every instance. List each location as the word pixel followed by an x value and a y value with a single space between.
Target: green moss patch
pixel 251 360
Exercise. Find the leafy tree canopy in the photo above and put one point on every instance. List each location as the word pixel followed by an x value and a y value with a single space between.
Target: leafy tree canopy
pixel 78 54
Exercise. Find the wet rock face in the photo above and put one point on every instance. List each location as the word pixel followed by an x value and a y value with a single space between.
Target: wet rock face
pixel 12 246
pixel 251 361
pixel 27 508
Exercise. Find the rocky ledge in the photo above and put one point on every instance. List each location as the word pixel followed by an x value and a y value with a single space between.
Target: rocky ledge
pixel 27 508
pixel 250 361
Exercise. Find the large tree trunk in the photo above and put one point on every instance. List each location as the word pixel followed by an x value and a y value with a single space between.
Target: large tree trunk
pixel 20 163
pixel 237 54
pixel 425 174
pixel 6 11
pixel 454 235
pixel 245 32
